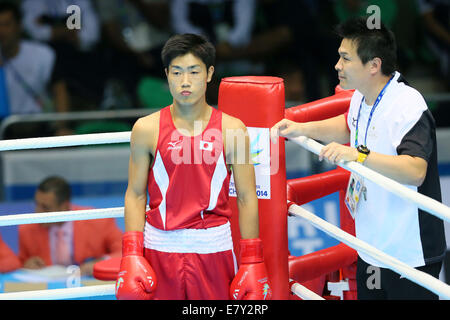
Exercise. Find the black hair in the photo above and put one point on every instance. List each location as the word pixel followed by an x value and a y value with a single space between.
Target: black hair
pixel 58 186
pixel 181 44
pixel 371 42
pixel 11 7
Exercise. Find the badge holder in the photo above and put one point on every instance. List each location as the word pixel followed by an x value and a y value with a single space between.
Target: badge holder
pixel 355 188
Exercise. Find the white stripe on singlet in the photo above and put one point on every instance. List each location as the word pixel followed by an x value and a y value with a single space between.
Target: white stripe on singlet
pixel 162 180
pixel 219 175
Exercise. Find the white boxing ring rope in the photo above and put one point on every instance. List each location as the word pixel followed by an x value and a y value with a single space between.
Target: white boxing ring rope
pixel 29 218
pixel 422 278
pixel 120 137
pixel 65 293
pixel 48 217
pixel 430 205
pixel 426 203
pixel 61 216
pixel 304 293
pixel 65 141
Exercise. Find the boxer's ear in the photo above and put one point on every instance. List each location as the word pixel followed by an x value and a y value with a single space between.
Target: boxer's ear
pixel 210 73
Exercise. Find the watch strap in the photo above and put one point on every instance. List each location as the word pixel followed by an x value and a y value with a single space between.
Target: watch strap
pixel 361 157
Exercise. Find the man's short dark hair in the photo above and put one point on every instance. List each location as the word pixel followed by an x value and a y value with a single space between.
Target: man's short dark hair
pixel 58 186
pixel 13 8
pixel 182 44
pixel 371 43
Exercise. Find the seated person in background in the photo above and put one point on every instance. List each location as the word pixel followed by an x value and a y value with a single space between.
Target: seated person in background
pixel 221 21
pixel 8 260
pixel 436 22
pixel 29 71
pixel 134 32
pixel 45 20
pixel 82 242
pixel 79 60
pixel 228 25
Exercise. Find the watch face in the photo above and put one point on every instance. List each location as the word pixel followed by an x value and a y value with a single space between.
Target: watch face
pixel 363 149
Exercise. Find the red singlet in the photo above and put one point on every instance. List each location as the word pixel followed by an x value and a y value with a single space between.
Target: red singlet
pixel 188 182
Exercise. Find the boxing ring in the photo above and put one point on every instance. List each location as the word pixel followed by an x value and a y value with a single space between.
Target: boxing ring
pixel 259 103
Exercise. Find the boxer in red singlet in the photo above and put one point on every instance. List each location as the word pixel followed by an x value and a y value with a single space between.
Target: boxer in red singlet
pixel 181 248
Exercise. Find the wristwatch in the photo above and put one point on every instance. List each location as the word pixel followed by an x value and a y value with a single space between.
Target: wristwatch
pixel 363 152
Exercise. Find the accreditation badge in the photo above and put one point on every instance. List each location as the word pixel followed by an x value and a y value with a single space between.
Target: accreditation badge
pixel 355 189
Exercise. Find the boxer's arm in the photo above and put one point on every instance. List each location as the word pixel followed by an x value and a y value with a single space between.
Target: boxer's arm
pixel 237 144
pixel 136 278
pixel 142 146
pixel 251 281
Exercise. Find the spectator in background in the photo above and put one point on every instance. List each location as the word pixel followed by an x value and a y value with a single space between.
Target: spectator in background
pixel 399 15
pixel 29 72
pixel 8 260
pixel 287 31
pixel 45 20
pixel 82 242
pixel 134 32
pixel 228 24
pixel 436 21
pixel 80 63
pixel 346 9
pixel 222 21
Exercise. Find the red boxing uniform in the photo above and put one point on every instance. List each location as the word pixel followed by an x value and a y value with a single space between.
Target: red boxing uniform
pixel 187 234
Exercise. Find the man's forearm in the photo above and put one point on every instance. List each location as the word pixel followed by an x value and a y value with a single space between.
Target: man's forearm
pixel 403 169
pixel 329 130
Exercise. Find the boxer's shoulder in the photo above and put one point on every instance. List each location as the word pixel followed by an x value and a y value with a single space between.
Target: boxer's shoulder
pixel 145 131
pixel 230 122
pixel 147 124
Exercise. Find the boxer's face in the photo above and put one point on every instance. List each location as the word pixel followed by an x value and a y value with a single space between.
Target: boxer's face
pixel 188 78
pixel 352 72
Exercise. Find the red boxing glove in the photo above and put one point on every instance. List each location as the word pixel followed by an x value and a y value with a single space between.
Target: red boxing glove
pixel 136 279
pixel 251 282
